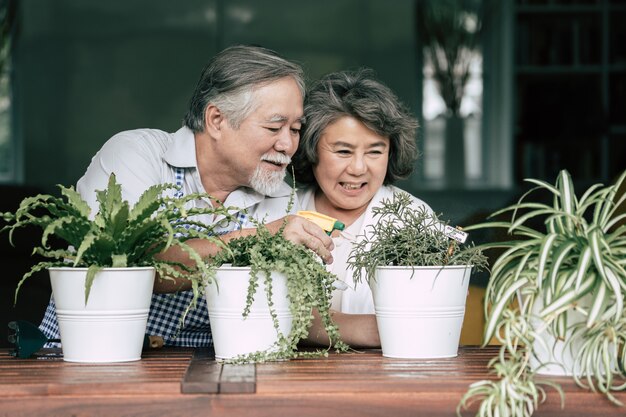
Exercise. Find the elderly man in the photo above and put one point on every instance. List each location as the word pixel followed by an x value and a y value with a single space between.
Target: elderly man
pixel 241 129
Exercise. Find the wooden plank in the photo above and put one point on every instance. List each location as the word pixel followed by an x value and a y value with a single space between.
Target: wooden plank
pixel 203 374
pixel 207 376
pixel 238 379
pixel 159 371
pixel 370 372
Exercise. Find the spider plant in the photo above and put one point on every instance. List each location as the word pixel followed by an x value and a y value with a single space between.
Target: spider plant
pixel 570 261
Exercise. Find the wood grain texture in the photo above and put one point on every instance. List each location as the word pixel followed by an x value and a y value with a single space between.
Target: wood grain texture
pixel 203 374
pixel 206 376
pixel 159 371
pixel 354 384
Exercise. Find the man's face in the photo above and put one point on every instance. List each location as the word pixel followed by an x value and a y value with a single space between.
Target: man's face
pixel 261 148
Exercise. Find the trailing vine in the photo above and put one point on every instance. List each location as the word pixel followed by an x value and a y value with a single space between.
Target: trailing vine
pixel 309 286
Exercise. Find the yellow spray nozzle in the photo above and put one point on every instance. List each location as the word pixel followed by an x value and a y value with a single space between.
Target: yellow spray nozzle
pixel 327 223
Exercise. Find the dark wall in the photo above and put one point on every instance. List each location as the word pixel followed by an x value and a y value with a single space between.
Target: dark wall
pixel 86 69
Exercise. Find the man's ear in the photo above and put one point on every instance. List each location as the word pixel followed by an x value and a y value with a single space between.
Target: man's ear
pixel 214 120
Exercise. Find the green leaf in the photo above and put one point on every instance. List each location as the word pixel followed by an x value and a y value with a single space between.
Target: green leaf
pixel 119 261
pixel 36 268
pixel 87 242
pixel 542 184
pixel 613 283
pixel 544 253
pixel 53 227
pixel 522 219
pixel 148 202
pixel 76 201
pixel 568 297
pixel 567 195
pixel 583 265
pixel 92 271
pixel 598 301
pixel 609 206
pixel 560 255
pixel 109 199
pixel 119 220
pixel 496 311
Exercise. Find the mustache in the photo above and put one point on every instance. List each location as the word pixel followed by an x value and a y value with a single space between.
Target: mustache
pixel 276 158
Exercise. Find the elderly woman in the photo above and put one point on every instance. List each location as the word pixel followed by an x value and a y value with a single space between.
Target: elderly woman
pixel 358 139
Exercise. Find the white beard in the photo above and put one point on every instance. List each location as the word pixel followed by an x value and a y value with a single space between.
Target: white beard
pixel 265 181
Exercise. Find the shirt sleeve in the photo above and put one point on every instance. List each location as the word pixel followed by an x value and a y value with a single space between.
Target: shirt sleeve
pixel 136 165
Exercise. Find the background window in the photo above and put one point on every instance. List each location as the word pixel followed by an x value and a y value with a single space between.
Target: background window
pixel 7 143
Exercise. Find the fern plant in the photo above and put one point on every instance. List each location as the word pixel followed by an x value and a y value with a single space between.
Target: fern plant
pixel 118 235
pixel 407 236
pixel 309 286
pixel 574 261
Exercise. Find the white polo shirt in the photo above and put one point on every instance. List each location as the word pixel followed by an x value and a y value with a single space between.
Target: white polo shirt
pixel 145 157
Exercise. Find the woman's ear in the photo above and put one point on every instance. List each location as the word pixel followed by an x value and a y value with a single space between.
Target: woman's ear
pixel 213 120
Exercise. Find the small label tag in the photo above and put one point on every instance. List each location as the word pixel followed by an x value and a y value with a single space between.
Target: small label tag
pixel 340 285
pixel 456 234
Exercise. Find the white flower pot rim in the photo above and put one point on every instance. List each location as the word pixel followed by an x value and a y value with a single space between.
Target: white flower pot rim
pixel 418 267
pixel 107 268
pixel 235 268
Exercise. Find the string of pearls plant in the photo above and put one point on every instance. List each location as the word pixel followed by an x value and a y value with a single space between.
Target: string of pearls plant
pixel 309 287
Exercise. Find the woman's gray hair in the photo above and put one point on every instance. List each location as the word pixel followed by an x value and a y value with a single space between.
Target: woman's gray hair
pixel 230 79
pixel 360 95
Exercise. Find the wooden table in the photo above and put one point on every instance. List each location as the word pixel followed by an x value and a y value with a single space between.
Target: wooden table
pixel 186 382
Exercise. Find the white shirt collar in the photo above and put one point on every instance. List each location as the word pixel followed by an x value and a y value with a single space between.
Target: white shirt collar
pixel 181 153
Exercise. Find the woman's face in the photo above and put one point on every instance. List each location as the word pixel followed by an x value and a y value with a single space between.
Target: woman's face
pixel 351 168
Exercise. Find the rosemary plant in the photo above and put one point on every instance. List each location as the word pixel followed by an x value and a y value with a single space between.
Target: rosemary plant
pixel 408 236
pixel 118 235
pixel 574 261
pixel 309 286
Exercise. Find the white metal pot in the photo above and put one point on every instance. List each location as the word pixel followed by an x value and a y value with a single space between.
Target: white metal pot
pixel 112 325
pixel 235 335
pixel 420 310
pixel 552 356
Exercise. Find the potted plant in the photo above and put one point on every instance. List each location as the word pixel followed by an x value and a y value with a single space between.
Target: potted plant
pixel 419 276
pixel 102 275
pixel 260 294
pixel 555 299
pixel 449 32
